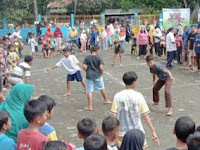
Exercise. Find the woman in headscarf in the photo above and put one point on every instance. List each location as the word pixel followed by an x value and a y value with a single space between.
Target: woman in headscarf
pixel 48 32
pixel 58 37
pixel 83 39
pixel 104 39
pixel 122 36
pixel 14 105
pixel 74 36
pixel 133 140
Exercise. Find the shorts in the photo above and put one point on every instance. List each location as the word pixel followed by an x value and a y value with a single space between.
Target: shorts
pixel 98 84
pixel 52 49
pixel 76 76
pixel 192 53
pixel 33 49
pixel 118 51
pixel 45 49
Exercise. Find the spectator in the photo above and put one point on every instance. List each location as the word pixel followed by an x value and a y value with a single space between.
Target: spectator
pixel 193 141
pixel 95 142
pixel 197 50
pixel 83 39
pixel 179 45
pixel 48 32
pixel 185 53
pixel 157 40
pixel 58 145
pixel 74 37
pixel 58 38
pixel 104 40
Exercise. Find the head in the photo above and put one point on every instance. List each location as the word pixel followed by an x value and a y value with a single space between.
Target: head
pixel 163 33
pixel 33 36
pixel 54 145
pixel 172 29
pixel 5 41
pixel 95 49
pixel 95 142
pixel 186 29
pixel 51 37
pixel 150 61
pixel 184 126
pixel 28 59
pixel 50 103
pixel 110 127
pixel 86 127
pixel 193 28
pixel 66 51
pixel 193 141
pixel 142 29
pixel 5 123
pixel 35 112
pixel 130 79
pixel 17 28
pixel 11 48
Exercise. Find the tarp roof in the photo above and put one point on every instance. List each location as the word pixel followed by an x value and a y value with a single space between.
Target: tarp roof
pixel 121 12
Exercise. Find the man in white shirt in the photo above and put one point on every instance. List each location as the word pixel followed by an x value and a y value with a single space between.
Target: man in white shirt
pixel 170 47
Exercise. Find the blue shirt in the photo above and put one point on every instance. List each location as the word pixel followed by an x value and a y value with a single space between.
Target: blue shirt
pixel 159 71
pixel 7 143
pixel 80 148
pixel 185 39
pixel 197 42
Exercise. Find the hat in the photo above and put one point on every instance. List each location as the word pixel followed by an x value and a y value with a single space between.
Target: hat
pixel 67 48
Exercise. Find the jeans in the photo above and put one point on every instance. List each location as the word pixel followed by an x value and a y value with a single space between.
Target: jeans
pixel 77 43
pixel 158 49
pixel 170 57
pixel 122 44
pixel 178 54
pixel 197 60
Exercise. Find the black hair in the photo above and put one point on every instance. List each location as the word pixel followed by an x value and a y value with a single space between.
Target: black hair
pixel 5 38
pixel 193 141
pixel 95 142
pixel 4 117
pixel 130 77
pixel 67 48
pixel 33 109
pixel 86 126
pixel 50 102
pixel 54 145
pixel 10 45
pixel 186 27
pixel 109 124
pixel 184 126
pixel 170 29
pixel 193 26
pixel 28 58
pixel 149 58
pixel 95 48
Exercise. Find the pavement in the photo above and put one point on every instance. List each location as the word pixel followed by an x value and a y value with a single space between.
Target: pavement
pixel 68 110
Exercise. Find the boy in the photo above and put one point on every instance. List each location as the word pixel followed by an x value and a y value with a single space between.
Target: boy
pixel 71 64
pixel 6 143
pixel 35 112
pixel 129 106
pixel 134 44
pixel 95 142
pixel 22 72
pixel 86 127
pixel 93 65
pixel 117 50
pixel 32 43
pixel 184 126
pixel 165 78
pixel 47 130
pixel 110 128
pixel 193 141
pixel 197 49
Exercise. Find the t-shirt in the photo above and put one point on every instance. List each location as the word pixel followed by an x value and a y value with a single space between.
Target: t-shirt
pixel 129 106
pixel 113 147
pixel 191 38
pixel 23 69
pixel 70 63
pixel 53 43
pixel 80 148
pixel 93 62
pixel 48 131
pixel 174 148
pixel 197 42
pixel 170 42
pixel 7 143
pixel 159 71
pixel 179 41
pixel 30 140
pixel 14 58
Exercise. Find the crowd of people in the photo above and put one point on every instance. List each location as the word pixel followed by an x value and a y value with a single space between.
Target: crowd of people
pixel 24 122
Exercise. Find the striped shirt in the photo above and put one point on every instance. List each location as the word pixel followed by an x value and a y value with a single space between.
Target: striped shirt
pixel 23 69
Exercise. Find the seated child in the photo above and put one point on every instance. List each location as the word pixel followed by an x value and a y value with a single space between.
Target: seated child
pixel 86 127
pixel 58 145
pixel 117 50
pixel 6 143
pixel 35 112
pixel 95 142
pixel 134 44
pixel 110 128
pixel 13 58
pixel 47 130
pixel 45 47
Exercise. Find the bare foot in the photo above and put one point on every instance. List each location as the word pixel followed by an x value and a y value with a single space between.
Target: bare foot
pixel 170 112
pixel 67 94
pixel 120 65
pixel 88 109
pixel 155 103
pixel 107 102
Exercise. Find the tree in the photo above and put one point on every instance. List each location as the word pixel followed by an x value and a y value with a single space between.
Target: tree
pixel 35 9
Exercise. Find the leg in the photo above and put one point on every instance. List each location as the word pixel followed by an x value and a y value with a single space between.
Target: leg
pixel 90 89
pixel 89 96
pixel 170 57
pixel 104 94
pixel 197 60
pixel 84 86
pixel 157 86
pixel 68 89
pixel 114 58
pixel 120 57
pixel 168 101
pixel 158 49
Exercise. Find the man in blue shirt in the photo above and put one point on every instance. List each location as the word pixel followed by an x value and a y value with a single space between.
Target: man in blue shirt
pixel 197 49
pixel 185 52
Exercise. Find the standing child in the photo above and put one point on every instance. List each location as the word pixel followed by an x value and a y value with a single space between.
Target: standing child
pixel 165 78
pixel 32 43
pixel 18 46
pixel 134 44
pixel 163 43
pixel 117 50
pixel 197 49
pixel 12 59
pixel 93 65
pixel 83 39
pixel 6 143
pixel 36 114
pixel 71 64
pixel 179 45
pixel 52 43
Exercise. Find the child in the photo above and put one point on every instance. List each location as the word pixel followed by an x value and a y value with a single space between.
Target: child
pixel 86 127
pixel 62 46
pixel 117 50
pixel 134 44
pixel 131 102
pixel 32 43
pixel 110 128
pixel 197 50
pixel 165 78
pixel 45 47
pixel 95 142
pixel 47 130
pixel 83 39
pixel 18 46
pixel 163 43
pixel 52 46
pixel 36 114
pixel 12 59
pixel 71 64
pixel 58 145
pixel 179 45
pixel 6 143
pixel 93 65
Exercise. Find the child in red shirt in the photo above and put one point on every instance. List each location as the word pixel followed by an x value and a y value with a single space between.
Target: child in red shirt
pixel 35 112
pixel 179 45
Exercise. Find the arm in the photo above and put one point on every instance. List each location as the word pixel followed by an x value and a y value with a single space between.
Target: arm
pixel 80 64
pixel 154 78
pixel 101 69
pixel 51 68
pixel 26 79
pixel 169 73
pixel 85 67
pixel 188 44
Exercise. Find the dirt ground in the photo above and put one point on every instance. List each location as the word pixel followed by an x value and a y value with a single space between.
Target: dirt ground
pixel 185 93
